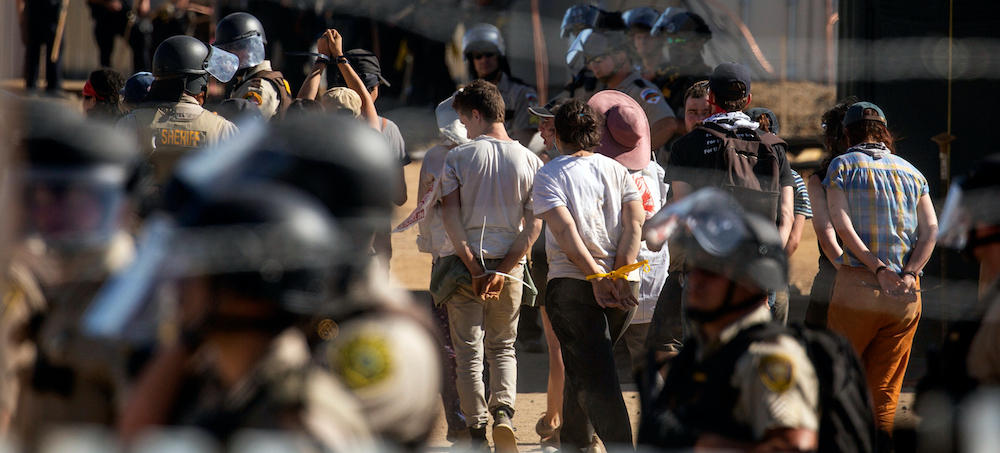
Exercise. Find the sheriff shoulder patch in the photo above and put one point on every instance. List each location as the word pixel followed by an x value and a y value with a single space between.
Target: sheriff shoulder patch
pixel 254 97
pixel 532 99
pixel 650 95
pixel 362 361
pixel 776 372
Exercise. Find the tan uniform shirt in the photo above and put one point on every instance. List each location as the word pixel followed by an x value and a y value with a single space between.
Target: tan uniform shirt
pixel 261 93
pixel 777 381
pixel 648 96
pixel 166 132
pixel 519 122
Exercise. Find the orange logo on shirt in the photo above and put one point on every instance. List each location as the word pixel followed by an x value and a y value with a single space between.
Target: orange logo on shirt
pixel 647 196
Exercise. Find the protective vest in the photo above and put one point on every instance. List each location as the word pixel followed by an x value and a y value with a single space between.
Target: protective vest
pixel 169 131
pixel 280 86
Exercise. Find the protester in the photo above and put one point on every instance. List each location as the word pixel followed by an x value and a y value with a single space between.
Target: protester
pixel 100 95
pixel 829 245
pixel 593 214
pixel 135 90
pixel 881 208
pixel 433 239
pixel 624 137
pixel 486 206
pixel 344 101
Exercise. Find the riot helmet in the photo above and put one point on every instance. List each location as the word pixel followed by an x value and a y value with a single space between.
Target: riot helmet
pixel 592 43
pixel 73 179
pixel 681 26
pixel 242 35
pixel 192 61
pixel 585 16
pixel 483 38
pixel 642 17
pixel 971 204
pixel 264 242
pixel 718 236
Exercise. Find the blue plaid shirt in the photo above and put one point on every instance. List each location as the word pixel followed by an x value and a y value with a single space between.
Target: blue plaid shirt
pixel 882 195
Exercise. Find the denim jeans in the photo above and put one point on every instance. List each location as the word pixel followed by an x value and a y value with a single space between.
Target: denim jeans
pixel 592 393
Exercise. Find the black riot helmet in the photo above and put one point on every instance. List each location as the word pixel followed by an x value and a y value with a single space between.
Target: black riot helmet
pixel 350 169
pixel 191 61
pixel 74 177
pixel 972 204
pixel 262 241
pixel 242 35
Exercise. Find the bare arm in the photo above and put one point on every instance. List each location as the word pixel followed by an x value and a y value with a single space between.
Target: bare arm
pixel 825 232
pixel 786 212
pixel 522 243
pixel 681 190
pixel 310 86
pixel 154 394
pixel 927 230
pixel 661 131
pixel 354 82
pixel 399 191
pixel 633 216
pixel 563 227
pixel 795 237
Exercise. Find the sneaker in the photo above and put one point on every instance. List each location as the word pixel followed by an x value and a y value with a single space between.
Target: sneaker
pixel 477 440
pixel 503 432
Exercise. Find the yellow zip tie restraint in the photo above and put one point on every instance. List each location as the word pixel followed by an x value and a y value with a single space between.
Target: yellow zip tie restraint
pixel 623 271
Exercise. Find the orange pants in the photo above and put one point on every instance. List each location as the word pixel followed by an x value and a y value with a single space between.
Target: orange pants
pixel 881 330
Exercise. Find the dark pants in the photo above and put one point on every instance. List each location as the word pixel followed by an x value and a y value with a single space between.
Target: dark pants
pixel 529 327
pixel 40 23
pixel 820 294
pixel 587 334
pixel 108 24
pixel 666 329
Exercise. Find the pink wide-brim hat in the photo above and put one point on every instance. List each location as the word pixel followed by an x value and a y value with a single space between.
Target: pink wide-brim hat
pixel 625 136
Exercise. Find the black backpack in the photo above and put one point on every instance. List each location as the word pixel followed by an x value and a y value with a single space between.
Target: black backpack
pixel 698 398
pixel 750 169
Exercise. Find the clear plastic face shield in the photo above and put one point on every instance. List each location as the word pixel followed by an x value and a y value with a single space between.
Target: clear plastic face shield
pixel 73 209
pixel 661 23
pixel 587 44
pixel 964 211
pixel 148 300
pixel 708 216
pixel 577 19
pixel 221 64
pixel 640 16
pixel 249 50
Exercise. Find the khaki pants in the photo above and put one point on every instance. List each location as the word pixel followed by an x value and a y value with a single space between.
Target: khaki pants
pixel 485 329
pixel 881 330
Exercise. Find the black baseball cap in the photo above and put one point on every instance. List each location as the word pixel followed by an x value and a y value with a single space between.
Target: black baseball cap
pixel 549 110
pixel 758 111
pixel 366 65
pixel 723 77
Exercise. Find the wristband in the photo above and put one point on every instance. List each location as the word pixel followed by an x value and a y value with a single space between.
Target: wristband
pixel 880 269
pixel 323 59
pixel 910 273
pixel 342 59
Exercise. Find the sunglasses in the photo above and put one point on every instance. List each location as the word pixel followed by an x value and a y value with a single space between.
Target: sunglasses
pixel 676 40
pixel 478 55
pixel 595 60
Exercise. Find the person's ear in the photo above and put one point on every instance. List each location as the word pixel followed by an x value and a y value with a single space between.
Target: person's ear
pixel 749 100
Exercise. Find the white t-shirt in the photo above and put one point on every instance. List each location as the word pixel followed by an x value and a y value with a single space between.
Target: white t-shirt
pixel 496 178
pixel 653 193
pixel 593 189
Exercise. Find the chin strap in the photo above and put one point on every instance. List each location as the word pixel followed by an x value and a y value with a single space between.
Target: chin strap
pixel 726 308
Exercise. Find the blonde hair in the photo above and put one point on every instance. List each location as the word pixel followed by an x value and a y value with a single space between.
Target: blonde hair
pixel 342 98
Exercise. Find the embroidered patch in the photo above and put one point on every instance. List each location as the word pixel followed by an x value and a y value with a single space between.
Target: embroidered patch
pixel 776 372
pixel 254 97
pixel 650 95
pixel 532 99
pixel 362 361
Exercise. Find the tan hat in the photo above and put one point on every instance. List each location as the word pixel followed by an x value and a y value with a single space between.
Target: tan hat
pixel 341 98
pixel 625 135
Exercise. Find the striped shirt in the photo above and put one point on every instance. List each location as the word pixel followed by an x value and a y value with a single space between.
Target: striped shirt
pixel 802 205
pixel 882 195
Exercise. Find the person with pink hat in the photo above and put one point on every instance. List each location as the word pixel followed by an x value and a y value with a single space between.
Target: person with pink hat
pixel 625 139
pixel 594 214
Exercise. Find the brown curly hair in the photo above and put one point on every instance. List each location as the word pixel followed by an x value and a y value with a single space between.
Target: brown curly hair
pixel 578 126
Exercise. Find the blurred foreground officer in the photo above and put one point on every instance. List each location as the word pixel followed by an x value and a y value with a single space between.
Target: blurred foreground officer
pixel 486 55
pixel 370 335
pixel 243 35
pixel 171 122
pixel 74 203
pixel 240 271
pixel 734 385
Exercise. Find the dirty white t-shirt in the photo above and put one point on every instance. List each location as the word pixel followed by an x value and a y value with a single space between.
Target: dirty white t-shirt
pixel 593 189
pixel 496 180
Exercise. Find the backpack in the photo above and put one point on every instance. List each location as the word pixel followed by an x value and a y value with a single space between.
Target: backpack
pixel 750 169
pixel 702 400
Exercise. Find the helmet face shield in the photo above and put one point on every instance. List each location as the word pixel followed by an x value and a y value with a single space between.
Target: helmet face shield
pixel 707 216
pixel 249 50
pixel 955 219
pixel 586 44
pixel 578 18
pixel 74 208
pixel 222 65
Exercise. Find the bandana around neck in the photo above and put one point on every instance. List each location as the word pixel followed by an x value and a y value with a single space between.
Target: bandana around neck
pixel 876 150
pixel 733 120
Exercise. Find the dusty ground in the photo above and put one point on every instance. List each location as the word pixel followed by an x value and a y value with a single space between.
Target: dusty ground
pixel 411 269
